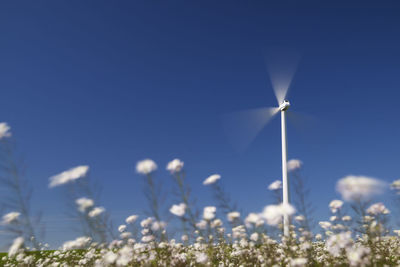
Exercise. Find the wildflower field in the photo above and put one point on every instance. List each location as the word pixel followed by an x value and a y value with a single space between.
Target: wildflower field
pixel 356 234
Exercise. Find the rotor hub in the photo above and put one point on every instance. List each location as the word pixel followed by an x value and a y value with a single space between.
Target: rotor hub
pixel 285 105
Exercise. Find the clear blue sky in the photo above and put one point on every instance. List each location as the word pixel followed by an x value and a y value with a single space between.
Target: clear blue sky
pixel 108 83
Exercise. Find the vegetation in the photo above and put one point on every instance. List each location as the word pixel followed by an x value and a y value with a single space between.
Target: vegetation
pixel 359 238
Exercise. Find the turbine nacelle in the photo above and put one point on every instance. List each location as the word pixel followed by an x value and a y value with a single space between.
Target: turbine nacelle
pixel 285 105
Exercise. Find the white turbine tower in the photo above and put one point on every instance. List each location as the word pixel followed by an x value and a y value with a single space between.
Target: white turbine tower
pixel 285 184
pixel 281 68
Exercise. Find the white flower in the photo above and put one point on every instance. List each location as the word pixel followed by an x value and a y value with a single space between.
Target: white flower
pixel 10 217
pixel 184 238
pixel 336 243
pixel 395 185
pixel 212 179
pixel 254 237
pixel 122 228
pixel 216 223
pixel 201 225
pixel 125 256
pixel 96 211
pixel 335 205
pixel 78 243
pixel 145 231
pixel 378 208
pixel 4 130
pixel 253 219
pixel 346 218
pixel 298 262
pixel 355 256
pixel 294 164
pixel 148 238
pixel 368 218
pixel 305 245
pixel 333 218
pixel 275 185
pixel 178 210
pixel 68 176
pixel 209 213
pixel 325 225
pixel 146 222
pixel 201 257
pixel 232 216
pixel 146 166
pixel 16 245
pixel 125 235
pixel 156 226
pixel 175 166
pixel 239 232
pixel 354 188
pixel 84 203
pixel 110 257
pixel 273 213
pixel 131 219
pixel 28 260
pixel 299 218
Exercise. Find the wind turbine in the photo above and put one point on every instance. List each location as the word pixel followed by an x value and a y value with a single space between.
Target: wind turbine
pixel 281 68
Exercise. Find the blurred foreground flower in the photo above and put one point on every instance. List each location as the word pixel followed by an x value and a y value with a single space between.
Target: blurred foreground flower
pixel 4 130
pixel 131 219
pixel 178 210
pixel 298 262
pixel 396 186
pixel 201 257
pixel 96 212
pixel 148 238
pixel 356 256
pixel 68 176
pixel 253 219
pixel 10 217
pixel 294 164
pixel 78 243
pixel 212 179
pixel 335 205
pixel 146 166
pixel 325 225
pixel 346 218
pixel 273 214
pixel 122 228
pixel 337 243
pixel 175 166
pixel 84 203
pixel 15 247
pixel 209 213
pixel 378 208
pixel 356 188
pixel 232 216
pixel 275 185
pixel 146 222
pixel 201 225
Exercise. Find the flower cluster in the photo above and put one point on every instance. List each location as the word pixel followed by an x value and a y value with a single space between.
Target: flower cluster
pixel 68 176
pixel 253 239
pixel 247 245
pixel 4 130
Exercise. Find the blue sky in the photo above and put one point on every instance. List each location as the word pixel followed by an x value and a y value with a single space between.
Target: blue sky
pixel 108 83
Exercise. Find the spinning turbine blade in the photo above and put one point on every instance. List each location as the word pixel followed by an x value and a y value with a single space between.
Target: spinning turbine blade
pixel 301 121
pixel 243 126
pixel 281 65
